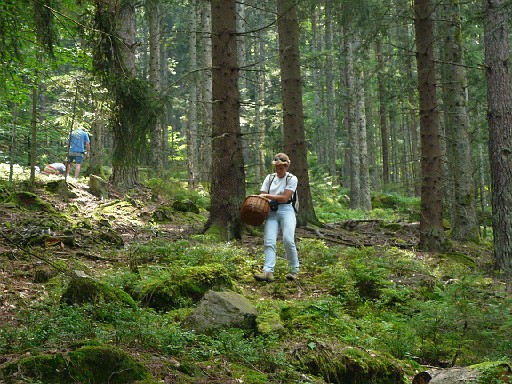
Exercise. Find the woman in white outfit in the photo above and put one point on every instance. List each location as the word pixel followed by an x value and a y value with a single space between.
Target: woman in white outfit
pixel 279 188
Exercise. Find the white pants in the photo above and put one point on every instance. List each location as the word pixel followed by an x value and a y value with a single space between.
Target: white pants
pixel 284 219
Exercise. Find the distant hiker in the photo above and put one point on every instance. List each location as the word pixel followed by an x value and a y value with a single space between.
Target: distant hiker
pixel 55 169
pixel 79 146
pixel 279 188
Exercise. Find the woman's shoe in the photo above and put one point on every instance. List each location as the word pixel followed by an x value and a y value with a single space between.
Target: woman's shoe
pixel 265 276
pixel 291 276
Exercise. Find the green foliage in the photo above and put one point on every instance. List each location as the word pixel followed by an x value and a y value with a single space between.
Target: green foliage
pixel 452 323
pixel 177 190
pixel 199 250
pixel 332 204
pixel 399 204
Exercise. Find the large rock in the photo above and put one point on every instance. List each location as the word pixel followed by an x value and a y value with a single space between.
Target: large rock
pixel 489 372
pixel 222 310
pixel 98 187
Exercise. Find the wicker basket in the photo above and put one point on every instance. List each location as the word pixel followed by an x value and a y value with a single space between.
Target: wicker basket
pixel 254 210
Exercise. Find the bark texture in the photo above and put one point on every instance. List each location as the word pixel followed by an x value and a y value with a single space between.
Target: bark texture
pixel 293 112
pixel 431 221
pixel 499 100
pixel 458 143
pixel 228 175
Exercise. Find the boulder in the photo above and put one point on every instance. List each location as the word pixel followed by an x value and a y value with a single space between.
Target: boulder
pixel 479 373
pixel 225 309
pixel 98 187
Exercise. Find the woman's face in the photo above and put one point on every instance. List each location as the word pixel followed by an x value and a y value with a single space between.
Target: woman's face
pixel 281 170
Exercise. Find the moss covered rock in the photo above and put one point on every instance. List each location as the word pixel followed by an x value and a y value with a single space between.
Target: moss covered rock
pixel 82 290
pixel 338 363
pixel 222 310
pixel 94 364
pixel 185 287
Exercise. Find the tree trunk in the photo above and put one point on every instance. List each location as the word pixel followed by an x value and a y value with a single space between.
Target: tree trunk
pixel 431 211
pixel 364 170
pixel 12 146
pixel 156 129
pixel 330 94
pixel 115 58
pixel 205 130
pixel 192 139
pixel 384 135
pixel 228 176
pixel 353 137
pixel 33 130
pixel 320 138
pixel 457 130
pixel 499 100
pixel 293 113
pixel 259 123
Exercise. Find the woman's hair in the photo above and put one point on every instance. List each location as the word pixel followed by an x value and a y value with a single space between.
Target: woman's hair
pixel 281 158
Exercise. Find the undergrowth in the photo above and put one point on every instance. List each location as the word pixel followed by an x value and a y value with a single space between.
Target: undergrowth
pixel 394 303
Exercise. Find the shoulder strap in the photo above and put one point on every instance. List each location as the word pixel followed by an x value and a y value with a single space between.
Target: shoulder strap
pixel 270 181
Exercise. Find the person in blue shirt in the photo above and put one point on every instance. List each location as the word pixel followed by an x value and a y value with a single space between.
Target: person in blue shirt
pixel 79 146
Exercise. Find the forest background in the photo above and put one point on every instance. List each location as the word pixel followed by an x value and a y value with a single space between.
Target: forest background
pixel 141 77
pixel 146 81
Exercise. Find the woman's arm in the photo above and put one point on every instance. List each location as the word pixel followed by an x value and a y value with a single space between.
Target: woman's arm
pixel 283 199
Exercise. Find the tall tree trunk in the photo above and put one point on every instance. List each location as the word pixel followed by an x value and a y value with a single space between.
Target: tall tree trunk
pixel 259 123
pixel 192 139
pixel 12 146
pixel 330 95
pixel 458 145
pixel 156 130
pixel 205 131
pixel 499 100
pixel 353 136
pixel 228 175
pixel 293 113
pixel 384 135
pixel 33 130
pixel 412 119
pixel 431 220
pixel 364 168
pixel 115 58
pixel 320 137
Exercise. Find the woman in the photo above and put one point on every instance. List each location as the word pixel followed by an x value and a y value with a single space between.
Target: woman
pixel 279 188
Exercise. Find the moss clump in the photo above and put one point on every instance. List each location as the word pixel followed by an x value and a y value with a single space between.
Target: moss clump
pixel 105 364
pixel 88 364
pixel 30 201
pixel 185 287
pixel 44 368
pixel 269 320
pixel 185 206
pixel 338 363
pixel 163 214
pixel 86 290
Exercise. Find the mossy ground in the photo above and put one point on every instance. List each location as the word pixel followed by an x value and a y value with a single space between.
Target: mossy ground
pixel 367 305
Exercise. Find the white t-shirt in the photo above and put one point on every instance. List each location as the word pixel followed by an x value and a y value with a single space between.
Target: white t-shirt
pixel 278 186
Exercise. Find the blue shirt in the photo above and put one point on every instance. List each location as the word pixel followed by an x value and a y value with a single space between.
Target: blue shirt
pixel 77 140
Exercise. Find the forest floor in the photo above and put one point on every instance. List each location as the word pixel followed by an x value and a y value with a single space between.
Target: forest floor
pixel 84 232
pixel 98 226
